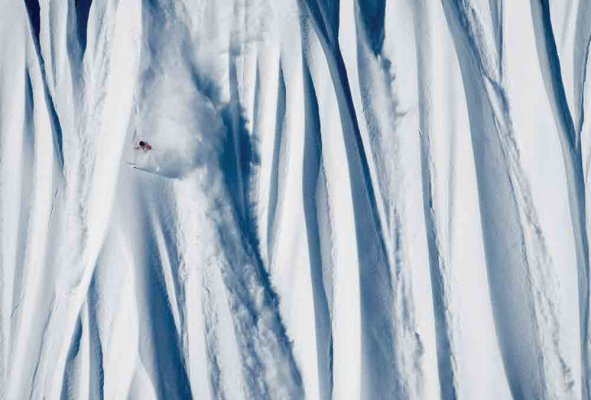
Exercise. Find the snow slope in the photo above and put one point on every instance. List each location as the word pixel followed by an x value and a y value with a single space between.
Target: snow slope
pixel 354 199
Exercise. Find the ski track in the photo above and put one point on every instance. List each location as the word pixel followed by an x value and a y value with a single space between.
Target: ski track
pixel 346 199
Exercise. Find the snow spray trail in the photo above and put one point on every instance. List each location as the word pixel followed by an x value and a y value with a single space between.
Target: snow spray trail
pixel 199 130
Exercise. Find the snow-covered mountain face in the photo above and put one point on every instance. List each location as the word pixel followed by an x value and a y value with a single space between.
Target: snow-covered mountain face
pixel 347 199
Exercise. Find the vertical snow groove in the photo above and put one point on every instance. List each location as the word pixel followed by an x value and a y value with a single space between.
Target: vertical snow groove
pixel 236 135
pixel 439 283
pixel 82 12
pixel 582 121
pixel 585 120
pixel 276 167
pixel 349 117
pixel 547 44
pixel 583 63
pixel 387 171
pixel 535 258
pixel 572 155
pixel 96 368
pixel 319 225
pixel 373 15
pixel 312 169
pixel 327 280
pixel 581 58
pixel 496 8
pixel 33 12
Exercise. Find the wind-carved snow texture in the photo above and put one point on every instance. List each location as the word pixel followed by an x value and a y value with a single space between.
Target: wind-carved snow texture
pixel 348 199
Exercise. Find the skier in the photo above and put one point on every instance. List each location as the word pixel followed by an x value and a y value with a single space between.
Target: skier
pixel 147 160
pixel 145 146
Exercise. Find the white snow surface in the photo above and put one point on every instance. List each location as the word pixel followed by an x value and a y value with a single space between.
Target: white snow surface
pixel 354 199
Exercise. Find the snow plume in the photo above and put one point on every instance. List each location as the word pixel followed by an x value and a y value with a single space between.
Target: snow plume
pixel 183 125
pixel 190 124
